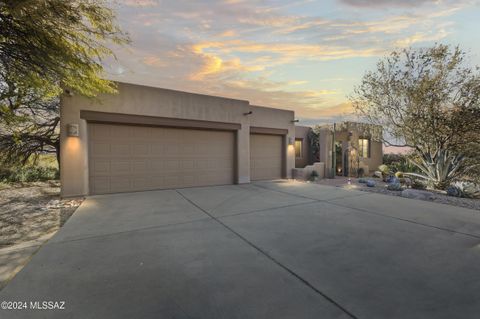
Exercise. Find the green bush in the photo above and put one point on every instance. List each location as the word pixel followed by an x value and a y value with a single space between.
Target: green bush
pixel 28 174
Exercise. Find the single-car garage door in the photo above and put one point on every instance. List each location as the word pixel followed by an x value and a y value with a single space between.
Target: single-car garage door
pixel 125 158
pixel 266 156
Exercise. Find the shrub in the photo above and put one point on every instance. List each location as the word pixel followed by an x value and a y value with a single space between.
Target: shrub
pixel 416 184
pixel 394 187
pixel 360 172
pixel 399 174
pixel 362 180
pixel 384 169
pixel 464 189
pixel 28 174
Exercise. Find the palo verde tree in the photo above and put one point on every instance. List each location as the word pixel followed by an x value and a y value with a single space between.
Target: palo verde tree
pixel 428 100
pixel 45 46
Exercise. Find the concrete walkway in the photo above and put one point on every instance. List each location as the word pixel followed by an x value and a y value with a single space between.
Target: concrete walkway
pixel 264 250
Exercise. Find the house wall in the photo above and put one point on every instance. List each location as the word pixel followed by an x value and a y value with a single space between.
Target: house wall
pixel 149 101
pixel 343 137
pixel 301 132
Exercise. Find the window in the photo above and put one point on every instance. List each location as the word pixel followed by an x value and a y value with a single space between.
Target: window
pixel 298 148
pixel 364 147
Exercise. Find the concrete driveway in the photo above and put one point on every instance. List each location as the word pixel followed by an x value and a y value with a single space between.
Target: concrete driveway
pixel 264 250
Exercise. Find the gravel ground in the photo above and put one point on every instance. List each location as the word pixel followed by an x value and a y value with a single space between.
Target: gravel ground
pixel 28 211
pixel 381 188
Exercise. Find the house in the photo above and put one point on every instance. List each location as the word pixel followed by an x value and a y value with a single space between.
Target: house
pixel 147 138
pixel 358 148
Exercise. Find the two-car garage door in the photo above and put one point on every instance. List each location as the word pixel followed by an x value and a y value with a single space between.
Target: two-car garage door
pixel 124 158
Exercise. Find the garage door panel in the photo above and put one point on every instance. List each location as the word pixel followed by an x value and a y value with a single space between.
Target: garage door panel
pixel 266 156
pixel 132 158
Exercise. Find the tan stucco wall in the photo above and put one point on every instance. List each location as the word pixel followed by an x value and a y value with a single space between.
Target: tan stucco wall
pixel 148 101
pixel 301 132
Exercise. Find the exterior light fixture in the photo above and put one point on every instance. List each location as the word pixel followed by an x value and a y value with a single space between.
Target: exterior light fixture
pixel 295 121
pixel 291 141
pixel 248 113
pixel 73 130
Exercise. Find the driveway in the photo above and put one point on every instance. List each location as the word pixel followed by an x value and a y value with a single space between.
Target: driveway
pixel 263 250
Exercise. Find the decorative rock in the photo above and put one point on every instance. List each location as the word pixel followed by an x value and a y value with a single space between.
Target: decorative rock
pixel 378 174
pixel 362 180
pixel 370 183
pixel 417 194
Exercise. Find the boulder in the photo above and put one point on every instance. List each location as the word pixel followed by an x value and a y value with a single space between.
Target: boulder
pixel 417 194
pixel 370 183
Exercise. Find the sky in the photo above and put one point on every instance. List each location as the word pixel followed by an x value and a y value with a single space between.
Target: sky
pixel 302 55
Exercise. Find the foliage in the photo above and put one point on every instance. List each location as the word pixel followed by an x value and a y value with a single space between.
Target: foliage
pixel 399 174
pixel 417 184
pixel 464 189
pixel 394 186
pixel 313 135
pixel 384 169
pixel 360 172
pixel 28 174
pixel 399 163
pixel 50 44
pixel 426 99
pixel 29 124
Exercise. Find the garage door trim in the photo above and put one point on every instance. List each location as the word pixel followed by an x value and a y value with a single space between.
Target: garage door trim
pixel 129 119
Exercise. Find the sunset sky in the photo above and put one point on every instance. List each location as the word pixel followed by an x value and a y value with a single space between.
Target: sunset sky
pixel 301 55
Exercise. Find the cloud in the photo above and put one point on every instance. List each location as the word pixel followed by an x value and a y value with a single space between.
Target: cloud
pixel 248 49
pixel 388 3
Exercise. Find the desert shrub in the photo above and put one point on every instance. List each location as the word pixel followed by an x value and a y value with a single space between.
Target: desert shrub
pixel 399 163
pixel 28 174
pixel 417 184
pixel 399 174
pixel 361 172
pixel 464 189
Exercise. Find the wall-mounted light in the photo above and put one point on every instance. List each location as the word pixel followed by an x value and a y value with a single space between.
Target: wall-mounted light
pixel 291 141
pixel 248 113
pixel 73 130
pixel 295 121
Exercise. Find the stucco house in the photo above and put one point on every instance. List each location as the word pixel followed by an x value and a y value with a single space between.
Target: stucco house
pixel 147 138
pixel 357 146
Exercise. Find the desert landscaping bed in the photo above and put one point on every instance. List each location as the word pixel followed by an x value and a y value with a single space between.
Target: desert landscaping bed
pixel 29 211
pixel 381 188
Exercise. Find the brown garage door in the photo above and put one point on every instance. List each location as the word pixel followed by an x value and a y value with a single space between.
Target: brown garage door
pixel 266 156
pixel 125 158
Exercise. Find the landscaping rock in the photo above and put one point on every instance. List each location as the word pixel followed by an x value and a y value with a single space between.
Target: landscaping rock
pixel 418 194
pixel 370 183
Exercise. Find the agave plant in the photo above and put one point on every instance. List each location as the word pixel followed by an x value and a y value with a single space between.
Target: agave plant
pixel 439 169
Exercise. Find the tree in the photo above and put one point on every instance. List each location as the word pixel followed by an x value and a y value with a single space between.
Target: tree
pixel 58 43
pixel 428 100
pixel 45 46
pixel 29 124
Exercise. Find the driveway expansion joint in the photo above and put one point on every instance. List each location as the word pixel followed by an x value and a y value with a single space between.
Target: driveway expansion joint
pixel 275 261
